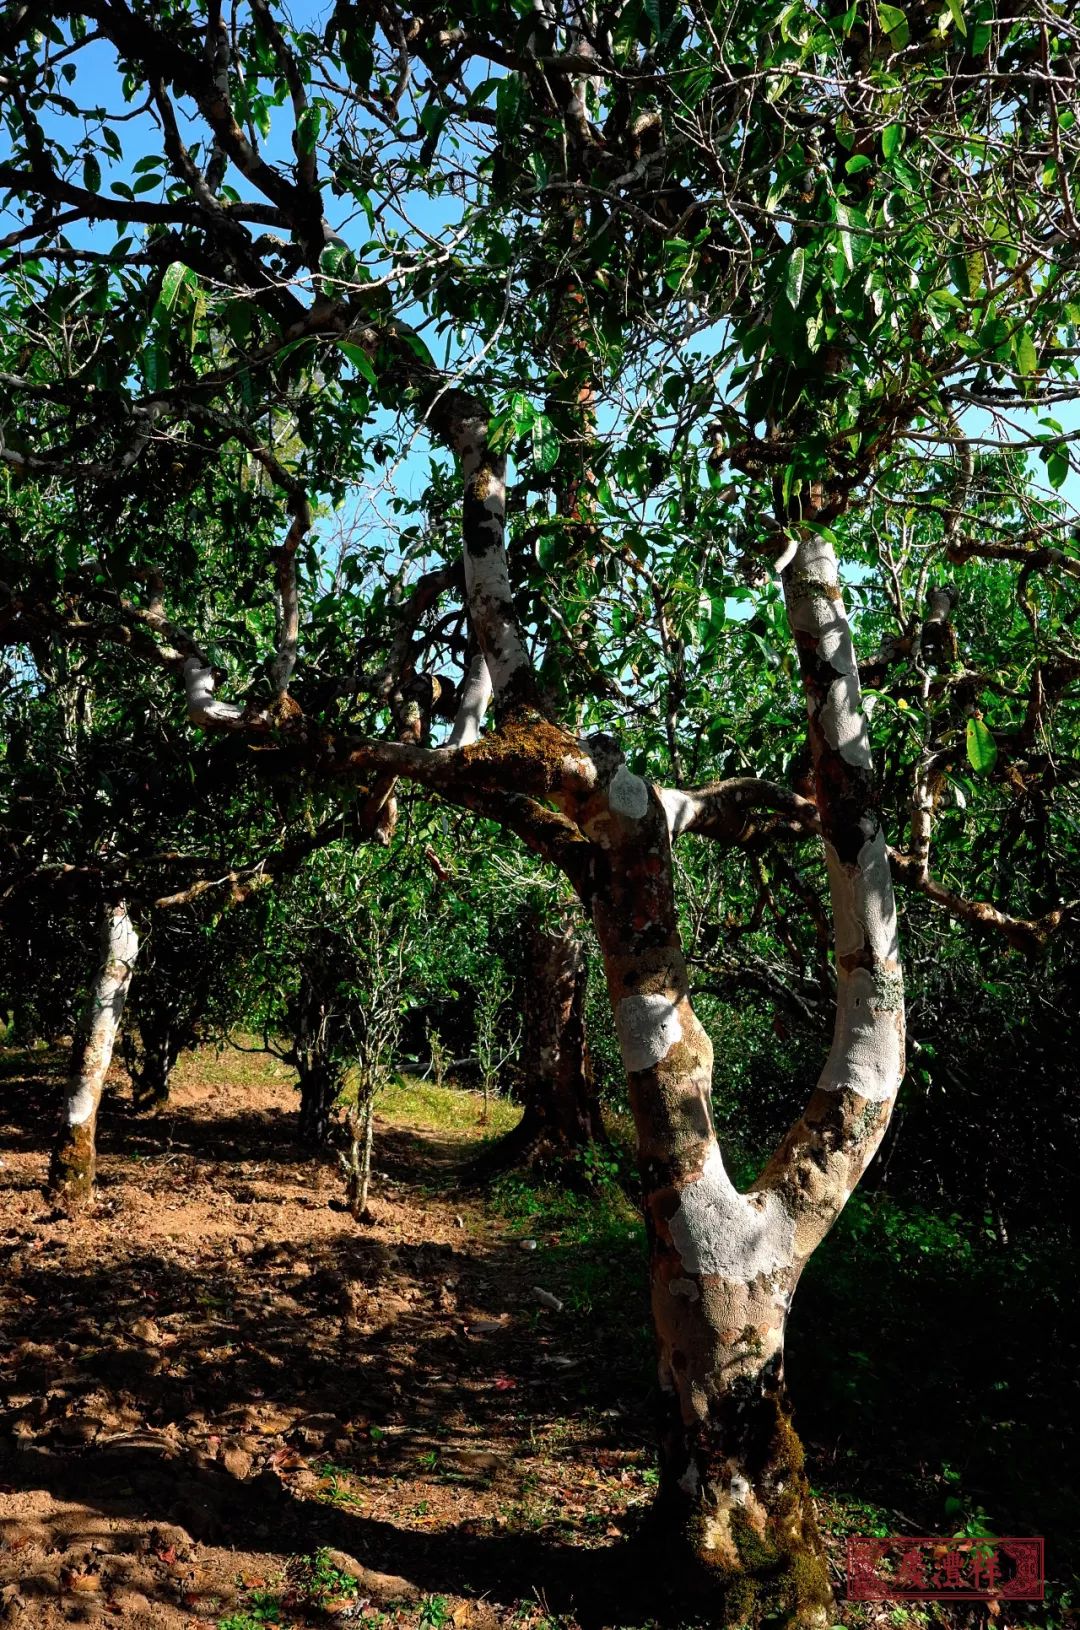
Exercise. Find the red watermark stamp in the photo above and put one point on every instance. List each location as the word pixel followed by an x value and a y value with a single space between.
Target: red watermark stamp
pixel 900 1568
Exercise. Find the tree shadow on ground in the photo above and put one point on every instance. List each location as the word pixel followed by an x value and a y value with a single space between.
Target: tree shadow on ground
pixel 615 1585
pixel 141 1371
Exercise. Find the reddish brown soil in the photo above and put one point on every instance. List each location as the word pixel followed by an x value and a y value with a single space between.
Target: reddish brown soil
pixel 217 1371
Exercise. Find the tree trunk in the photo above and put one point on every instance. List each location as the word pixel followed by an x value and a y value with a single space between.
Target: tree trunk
pixel 734 1498
pixel 562 1107
pixel 159 1052
pixel 319 1088
pixel 734 1510
pixel 74 1159
pixel 365 1158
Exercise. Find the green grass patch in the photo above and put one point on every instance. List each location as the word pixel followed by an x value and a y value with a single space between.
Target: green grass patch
pixel 590 1243
pixel 408 1101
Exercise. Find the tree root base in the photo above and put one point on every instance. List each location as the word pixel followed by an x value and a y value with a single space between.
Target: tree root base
pixel 770 1591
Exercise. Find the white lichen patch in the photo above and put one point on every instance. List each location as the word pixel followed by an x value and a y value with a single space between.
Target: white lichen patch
pixel 470 443
pixel 198 684
pixel 864 910
pixel 848 933
pixel 843 722
pixel 716 1537
pixel 686 1288
pixel 81 1104
pixel 835 647
pixel 648 1028
pixel 627 794
pixel 867 1050
pixel 679 809
pixel 690 1482
pixel 877 904
pixel 717 1230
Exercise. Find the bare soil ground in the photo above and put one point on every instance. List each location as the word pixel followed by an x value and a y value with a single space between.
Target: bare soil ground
pixel 225 1404
pixel 217 1377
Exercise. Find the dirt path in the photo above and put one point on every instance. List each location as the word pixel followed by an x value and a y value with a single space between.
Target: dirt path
pixel 217 1379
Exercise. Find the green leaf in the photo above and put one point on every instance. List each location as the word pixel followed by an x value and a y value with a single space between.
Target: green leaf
pixel 895 24
pixel 500 433
pixel 360 361
pixel 155 367
pixel 307 128
pixel 958 16
pixel 793 280
pixel 337 260
pixel 859 162
pixel 545 443
pixel 845 237
pixel 981 746
pixel 522 413
pixel 176 275
pixel 91 173
pixel 416 346
pixel 1027 358
pixel 1057 466
pixel 891 137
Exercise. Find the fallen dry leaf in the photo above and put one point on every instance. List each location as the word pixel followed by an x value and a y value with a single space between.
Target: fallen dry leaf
pixel 80 1581
pixel 286 1460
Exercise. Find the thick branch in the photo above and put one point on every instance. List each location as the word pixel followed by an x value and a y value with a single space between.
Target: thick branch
pixel 724 811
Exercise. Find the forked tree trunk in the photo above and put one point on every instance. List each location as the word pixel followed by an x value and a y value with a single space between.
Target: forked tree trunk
pixel 74 1159
pixel 724 1265
pixel 562 1115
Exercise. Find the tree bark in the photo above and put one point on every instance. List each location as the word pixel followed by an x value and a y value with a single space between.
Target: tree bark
pixel 315 1030
pixel 159 1052
pixel 734 1496
pixel 74 1158
pixel 562 1115
pixel 319 1088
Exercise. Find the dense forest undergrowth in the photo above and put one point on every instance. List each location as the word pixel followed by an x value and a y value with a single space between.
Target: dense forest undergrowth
pixel 230 1405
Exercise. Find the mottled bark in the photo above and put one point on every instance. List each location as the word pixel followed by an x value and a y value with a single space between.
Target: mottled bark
pixel 492 615
pixel 562 1114
pixel 74 1158
pixel 725 1265
pixel 734 1503
pixel 474 702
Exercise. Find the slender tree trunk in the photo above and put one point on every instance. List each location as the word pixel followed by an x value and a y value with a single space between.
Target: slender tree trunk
pixel 74 1159
pixel 734 1496
pixel 562 1113
pixel 365 1158
pixel 360 1125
